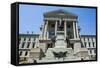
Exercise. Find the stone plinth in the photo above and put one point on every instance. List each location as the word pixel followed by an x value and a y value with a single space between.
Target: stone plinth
pixel 60 40
pixel 50 55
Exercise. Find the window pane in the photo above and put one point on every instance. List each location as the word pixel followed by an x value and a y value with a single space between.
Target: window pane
pixel 23 44
pixel 20 53
pixel 26 53
pixel 28 44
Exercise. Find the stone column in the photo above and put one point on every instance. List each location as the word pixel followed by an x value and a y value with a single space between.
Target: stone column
pixel 45 30
pixel 56 28
pixel 74 32
pixel 41 35
pixel 47 35
pixel 60 21
pixel 65 29
pixel 77 30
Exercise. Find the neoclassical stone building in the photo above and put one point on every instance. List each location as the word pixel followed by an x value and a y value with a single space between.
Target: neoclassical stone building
pixel 60 40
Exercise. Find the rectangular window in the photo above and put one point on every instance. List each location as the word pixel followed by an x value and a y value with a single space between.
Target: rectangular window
pixel 24 39
pixel 23 44
pixel 33 45
pixel 90 51
pixel 20 53
pixel 28 44
pixel 93 44
pixel 89 44
pixel 85 44
pixel 26 53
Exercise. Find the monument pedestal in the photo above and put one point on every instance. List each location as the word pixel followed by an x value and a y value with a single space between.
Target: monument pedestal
pixel 58 53
pixel 60 40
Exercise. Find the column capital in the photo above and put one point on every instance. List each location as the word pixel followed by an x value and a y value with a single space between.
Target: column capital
pixel 76 21
pixel 45 20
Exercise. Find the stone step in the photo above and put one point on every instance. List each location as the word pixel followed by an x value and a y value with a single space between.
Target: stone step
pixel 58 60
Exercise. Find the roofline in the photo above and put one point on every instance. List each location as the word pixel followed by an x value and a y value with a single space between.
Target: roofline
pixel 88 35
pixel 28 34
pixel 38 35
pixel 46 13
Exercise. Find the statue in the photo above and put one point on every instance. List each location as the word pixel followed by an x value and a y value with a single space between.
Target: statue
pixel 60 54
pixel 53 39
pixel 68 41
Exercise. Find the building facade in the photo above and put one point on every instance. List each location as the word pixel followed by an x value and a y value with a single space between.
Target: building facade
pixel 59 40
pixel 89 41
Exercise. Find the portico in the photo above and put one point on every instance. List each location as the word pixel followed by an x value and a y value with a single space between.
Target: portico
pixel 60 34
pixel 60 26
pixel 63 29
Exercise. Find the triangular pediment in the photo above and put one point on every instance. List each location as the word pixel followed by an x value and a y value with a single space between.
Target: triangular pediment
pixel 59 13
